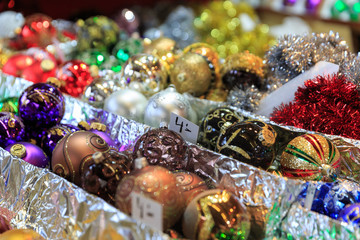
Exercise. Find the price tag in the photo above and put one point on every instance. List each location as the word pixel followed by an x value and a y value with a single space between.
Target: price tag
pixel 310 193
pixel 146 210
pixel 188 130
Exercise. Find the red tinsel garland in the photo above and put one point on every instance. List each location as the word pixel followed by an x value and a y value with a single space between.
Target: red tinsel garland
pixel 327 104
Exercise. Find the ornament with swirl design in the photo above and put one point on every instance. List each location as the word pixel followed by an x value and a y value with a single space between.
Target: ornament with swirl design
pixel 310 157
pixel 74 152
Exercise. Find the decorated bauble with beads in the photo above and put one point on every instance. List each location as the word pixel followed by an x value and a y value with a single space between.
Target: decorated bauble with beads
pixel 41 105
pixel 12 129
pixel 248 142
pixel 73 154
pixel 75 76
pixel 211 124
pixel 162 147
pixel 105 172
pixel 153 182
pixel 144 73
pixel 30 153
pixel 216 214
pixel 310 157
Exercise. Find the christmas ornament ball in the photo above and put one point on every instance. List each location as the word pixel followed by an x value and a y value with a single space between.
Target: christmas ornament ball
pixel 216 214
pixel 161 105
pixel 191 73
pixel 248 142
pixel 310 157
pixel 190 184
pixel 4 224
pixel 211 124
pixel 351 214
pixel 162 147
pixel 41 105
pixel 144 73
pixel 12 129
pixel 17 234
pixel 74 152
pixel 128 103
pixel 75 76
pixel 30 153
pixel 154 182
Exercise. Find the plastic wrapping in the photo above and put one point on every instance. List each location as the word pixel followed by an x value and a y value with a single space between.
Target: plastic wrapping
pixel 59 210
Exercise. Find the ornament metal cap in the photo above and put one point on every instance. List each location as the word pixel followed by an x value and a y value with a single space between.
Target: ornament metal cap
pixel 54 81
pixel 163 124
pixel 84 125
pixel 18 150
pixel 98 157
pixel 98 126
pixel 140 163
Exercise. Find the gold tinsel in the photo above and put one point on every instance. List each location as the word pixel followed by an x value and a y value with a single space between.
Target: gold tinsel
pixel 219 24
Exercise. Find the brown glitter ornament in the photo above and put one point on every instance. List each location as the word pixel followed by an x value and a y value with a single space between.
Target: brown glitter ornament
pixel 243 70
pixel 216 214
pixel 211 56
pixel 74 152
pixel 162 147
pixel 310 157
pixel 4 224
pixel 191 73
pixel 103 175
pixel 248 142
pixel 154 182
pixel 190 184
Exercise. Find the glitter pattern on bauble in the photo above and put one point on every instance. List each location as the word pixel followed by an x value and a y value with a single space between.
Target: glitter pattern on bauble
pixel 310 157
pixel 161 105
pixel 211 124
pixel 12 129
pixel 351 214
pixel 30 153
pixel 144 73
pixel 190 184
pixel 127 103
pixel 248 142
pixel 41 106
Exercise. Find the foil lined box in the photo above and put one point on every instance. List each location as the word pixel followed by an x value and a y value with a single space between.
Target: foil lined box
pixel 270 199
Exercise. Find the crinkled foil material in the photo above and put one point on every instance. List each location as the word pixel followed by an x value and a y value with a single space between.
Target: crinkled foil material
pixel 67 212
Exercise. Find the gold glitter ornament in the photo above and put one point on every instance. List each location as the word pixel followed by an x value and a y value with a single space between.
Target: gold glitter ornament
pixel 98 32
pixel 216 214
pixel 217 95
pixel 144 73
pixel 310 157
pixel 191 73
pixel 232 27
pixel 211 56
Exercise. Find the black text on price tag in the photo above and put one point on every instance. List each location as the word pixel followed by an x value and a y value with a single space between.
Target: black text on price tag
pixel 146 210
pixel 188 130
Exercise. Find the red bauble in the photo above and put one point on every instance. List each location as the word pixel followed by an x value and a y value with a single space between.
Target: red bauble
pixel 75 76
pixel 153 182
pixel 328 104
pixel 35 65
pixel 37 31
pixel 4 224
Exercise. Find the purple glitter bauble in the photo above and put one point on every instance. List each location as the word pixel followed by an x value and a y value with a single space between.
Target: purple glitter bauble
pixel 41 106
pixel 53 135
pixel 351 214
pixel 29 153
pixel 106 137
pixel 12 129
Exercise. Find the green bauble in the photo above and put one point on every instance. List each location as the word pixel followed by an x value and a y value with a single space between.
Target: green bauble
pixel 9 105
pixel 123 50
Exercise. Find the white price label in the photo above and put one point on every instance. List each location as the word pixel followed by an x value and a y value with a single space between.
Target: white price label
pixel 187 129
pixel 146 210
pixel 310 193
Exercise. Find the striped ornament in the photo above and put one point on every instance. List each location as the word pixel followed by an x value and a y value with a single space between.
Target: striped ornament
pixel 310 157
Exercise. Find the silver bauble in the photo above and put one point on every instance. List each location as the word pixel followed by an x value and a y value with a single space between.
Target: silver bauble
pixel 96 93
pixel 128 103
pixel 161 105
pixel 9 22
pixel 144 73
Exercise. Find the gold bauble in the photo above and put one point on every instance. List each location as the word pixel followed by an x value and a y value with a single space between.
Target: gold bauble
pixel 191 73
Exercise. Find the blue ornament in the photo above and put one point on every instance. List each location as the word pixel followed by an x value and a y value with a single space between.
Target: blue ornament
pixel 330 198
pixel 351 214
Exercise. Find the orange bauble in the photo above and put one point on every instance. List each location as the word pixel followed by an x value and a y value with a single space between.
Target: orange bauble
pixel 74 152
pixel 21 234
pixel 190 184
pixel 153 182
